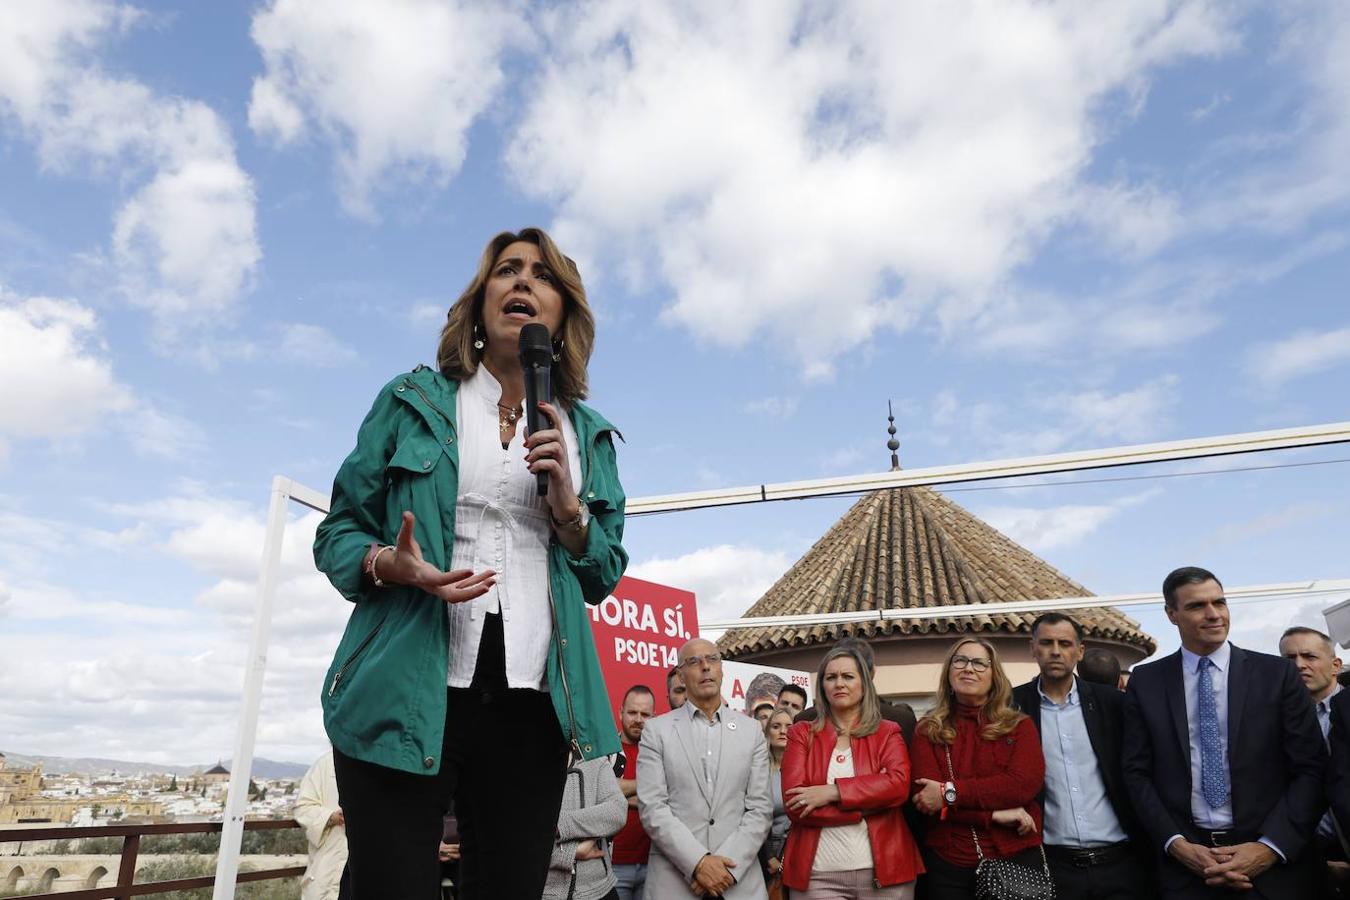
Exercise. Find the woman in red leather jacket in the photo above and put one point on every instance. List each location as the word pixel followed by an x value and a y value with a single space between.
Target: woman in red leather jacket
pixel 977 769
pixel 845 777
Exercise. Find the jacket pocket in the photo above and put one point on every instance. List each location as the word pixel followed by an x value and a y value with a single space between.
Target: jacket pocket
pixel 345 670
pixel 416 453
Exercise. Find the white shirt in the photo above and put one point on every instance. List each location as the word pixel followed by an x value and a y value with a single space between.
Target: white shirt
pixel 501 523
pixel 842 848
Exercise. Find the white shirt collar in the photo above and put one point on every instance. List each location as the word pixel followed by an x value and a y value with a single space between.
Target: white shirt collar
pixel 1191 661
pixel 694 711
pixel 484 385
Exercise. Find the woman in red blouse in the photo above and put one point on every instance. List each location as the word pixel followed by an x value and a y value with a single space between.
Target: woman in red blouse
pixel 845 778
pixel 977 770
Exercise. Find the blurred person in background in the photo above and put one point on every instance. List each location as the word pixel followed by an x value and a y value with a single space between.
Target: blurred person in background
pixel 631 845
pixel 320 814
pixel 771 854
pixel 1101 667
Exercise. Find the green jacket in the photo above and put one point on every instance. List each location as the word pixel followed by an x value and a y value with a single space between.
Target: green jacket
pixel 384 696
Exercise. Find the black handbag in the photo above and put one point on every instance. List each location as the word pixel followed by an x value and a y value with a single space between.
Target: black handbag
pixel 1007 879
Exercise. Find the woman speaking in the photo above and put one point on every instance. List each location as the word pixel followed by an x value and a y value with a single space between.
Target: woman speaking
pixel 845 778
pixel 467 668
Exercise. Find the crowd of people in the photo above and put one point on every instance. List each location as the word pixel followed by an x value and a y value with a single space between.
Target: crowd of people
pixel 1206 776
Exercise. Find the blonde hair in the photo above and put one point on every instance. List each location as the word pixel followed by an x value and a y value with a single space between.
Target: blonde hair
pixel 456 356
pixel 775 755
pixel 996 715
pixel 869 714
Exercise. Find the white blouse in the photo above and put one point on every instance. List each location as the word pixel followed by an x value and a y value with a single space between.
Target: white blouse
pixel 842 848
pixel 501 523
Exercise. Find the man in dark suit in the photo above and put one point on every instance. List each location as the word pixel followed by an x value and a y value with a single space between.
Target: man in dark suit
pixel 1088 822
pixel 1224 759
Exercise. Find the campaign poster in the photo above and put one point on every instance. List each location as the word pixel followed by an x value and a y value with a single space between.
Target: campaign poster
pixel 638 632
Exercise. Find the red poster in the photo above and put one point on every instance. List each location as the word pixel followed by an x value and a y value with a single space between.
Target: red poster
pixel 639 630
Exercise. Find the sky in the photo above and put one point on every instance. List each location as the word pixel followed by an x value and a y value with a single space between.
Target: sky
pixel 1032 226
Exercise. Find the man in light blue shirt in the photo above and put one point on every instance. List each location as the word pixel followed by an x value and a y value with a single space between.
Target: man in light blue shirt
pixel 1086 836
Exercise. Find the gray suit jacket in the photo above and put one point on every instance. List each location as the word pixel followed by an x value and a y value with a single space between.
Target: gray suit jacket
pixel 686 820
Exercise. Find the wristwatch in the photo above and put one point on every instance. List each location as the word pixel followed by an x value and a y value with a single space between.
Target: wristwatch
pixel 577 523
pixel 949 793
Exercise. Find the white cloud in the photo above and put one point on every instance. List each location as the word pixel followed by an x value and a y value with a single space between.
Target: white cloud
pixel 821 172
pixel 1049 528
pixel 772 407
pixel 184 244
pixel 726 579
pixel 57 380
pixel 393 84
pixel 313 345
pixel 1300 354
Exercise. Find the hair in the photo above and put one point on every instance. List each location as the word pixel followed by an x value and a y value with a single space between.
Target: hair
pixel 637 689
pixel 1099 667
pixel 810 714
pixel 670 677
pixel 765 684
pixel 763 704
pixel 1304 629
pixel 456 356
pixel 863 649
pixel 1056 618
pixel 869 715
pixel 794 689
pixel 775 756
pixel 1183 576
pixel 997 716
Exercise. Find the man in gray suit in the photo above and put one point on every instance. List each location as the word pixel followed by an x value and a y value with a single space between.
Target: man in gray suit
pixel 703 790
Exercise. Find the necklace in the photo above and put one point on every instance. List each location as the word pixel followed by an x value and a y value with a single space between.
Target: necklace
pixel 508 416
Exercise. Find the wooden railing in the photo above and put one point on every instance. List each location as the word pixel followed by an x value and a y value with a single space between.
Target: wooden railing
pixel 125 888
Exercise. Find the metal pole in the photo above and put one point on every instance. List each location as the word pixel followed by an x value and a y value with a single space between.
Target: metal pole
pixel 236 803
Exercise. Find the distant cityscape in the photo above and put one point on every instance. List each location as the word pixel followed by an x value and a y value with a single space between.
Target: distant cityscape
pixel 58 791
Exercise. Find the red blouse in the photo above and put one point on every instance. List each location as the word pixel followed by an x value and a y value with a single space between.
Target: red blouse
pixel 990 775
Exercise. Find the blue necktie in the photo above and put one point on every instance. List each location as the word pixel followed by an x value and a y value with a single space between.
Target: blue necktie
pixel 1213 772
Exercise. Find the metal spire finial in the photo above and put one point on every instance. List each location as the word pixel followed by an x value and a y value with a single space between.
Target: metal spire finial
pixel 893 445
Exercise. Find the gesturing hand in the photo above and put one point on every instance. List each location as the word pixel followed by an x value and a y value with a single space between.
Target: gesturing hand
pixel 405 565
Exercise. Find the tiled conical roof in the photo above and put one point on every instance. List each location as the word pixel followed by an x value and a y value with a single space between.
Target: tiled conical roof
pixel 913 548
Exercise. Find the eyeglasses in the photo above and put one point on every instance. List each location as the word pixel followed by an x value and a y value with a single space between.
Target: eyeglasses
pixel 696 662
pixel 979 664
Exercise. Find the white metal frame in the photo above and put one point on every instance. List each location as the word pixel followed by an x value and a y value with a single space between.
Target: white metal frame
pixel 285 490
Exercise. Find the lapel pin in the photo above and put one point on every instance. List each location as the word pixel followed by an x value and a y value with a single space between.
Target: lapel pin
pixel 731 725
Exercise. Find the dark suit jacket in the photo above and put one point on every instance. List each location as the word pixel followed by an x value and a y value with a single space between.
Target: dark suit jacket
pixel 1276 762
pixel 1338 773
pixel 1104 714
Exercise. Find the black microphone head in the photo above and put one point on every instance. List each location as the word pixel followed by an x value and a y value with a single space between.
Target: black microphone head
pixel 536 347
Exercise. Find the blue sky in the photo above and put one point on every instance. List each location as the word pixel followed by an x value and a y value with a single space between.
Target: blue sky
pixel 1034 227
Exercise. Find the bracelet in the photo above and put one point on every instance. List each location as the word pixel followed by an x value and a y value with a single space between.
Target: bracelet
pixel 370 569
pixel 576 523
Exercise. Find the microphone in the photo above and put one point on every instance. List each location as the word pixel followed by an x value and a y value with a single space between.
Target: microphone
pixel 536 360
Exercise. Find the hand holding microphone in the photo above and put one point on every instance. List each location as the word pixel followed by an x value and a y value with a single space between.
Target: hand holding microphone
pixel 545 447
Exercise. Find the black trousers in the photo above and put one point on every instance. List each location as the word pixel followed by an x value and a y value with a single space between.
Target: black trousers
pixel 1124 879
pixel 503 761
pixel 945 881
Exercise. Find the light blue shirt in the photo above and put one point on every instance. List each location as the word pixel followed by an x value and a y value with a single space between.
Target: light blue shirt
pixel 1211 818
pixel 1078 812
pixel 1326 828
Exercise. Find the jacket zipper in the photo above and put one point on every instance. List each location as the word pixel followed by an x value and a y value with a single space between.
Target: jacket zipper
pixel 553 608
pixel 342 669
pixel 574 743
pixel 423 394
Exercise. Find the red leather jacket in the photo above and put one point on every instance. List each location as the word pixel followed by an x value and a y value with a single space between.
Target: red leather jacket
pixel 879 787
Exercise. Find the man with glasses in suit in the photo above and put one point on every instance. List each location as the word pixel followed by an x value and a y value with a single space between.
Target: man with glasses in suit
pixel 703 790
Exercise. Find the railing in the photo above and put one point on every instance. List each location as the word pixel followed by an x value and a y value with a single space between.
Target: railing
pixel 125 889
